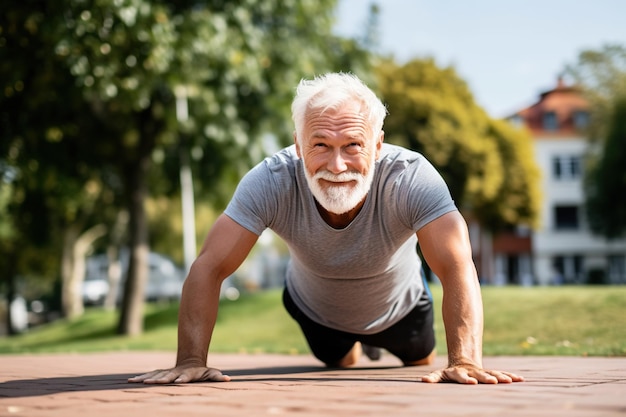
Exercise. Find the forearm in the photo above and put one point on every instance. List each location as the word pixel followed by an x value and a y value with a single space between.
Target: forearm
pixel 224 249
pixel 463 320
pixel 197 317
pixel 446 247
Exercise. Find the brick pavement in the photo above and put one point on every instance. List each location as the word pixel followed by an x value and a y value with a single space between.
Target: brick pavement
pixel 94 385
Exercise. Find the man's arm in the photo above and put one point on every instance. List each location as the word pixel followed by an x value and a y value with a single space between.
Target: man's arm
pixel 446 247
pixel 224 249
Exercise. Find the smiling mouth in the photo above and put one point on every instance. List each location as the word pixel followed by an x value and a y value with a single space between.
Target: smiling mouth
pixel 337 183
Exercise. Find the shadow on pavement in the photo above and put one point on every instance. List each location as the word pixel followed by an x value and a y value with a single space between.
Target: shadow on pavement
pixel 283 370
pixel 48 386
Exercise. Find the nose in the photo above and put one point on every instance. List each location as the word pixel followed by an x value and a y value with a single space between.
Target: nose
pixel 336 163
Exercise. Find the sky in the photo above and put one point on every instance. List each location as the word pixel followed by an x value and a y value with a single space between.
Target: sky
pixel 508 52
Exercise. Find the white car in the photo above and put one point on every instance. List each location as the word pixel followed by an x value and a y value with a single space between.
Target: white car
pixel 165 278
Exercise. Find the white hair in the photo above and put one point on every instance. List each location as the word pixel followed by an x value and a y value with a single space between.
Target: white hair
pixel 331 91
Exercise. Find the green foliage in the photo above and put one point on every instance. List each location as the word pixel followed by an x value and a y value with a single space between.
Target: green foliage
pixel 90 85
pixel 6 227
pixel 166 225
pixel 91 91
pixel 605 184
pixel 602 75
pixel 45 144
pixel 488 166
pixel 518 321
pixel 518 198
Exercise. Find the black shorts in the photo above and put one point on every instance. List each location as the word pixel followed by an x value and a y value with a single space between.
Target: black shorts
pixel 410 339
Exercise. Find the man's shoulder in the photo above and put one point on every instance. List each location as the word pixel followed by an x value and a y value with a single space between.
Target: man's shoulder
pixel 405 166
pixel 277 170
pixel 393 154
pixel 286 158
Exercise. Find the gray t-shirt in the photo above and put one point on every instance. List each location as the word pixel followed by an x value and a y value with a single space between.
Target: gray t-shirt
pixel 365 277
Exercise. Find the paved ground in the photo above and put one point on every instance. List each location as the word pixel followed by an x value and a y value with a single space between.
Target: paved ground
pixel 268 385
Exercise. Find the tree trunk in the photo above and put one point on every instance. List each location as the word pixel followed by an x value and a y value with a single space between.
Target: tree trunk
pixel 131 317
pixel 114 277
pixel 114 271
pixel 9 275
pixel 75 251
pixel 136 177
pixel 70 235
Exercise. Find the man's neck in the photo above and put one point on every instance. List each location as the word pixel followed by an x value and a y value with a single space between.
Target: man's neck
pixel 339 221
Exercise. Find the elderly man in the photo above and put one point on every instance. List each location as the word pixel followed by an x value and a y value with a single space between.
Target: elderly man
pixel 352 211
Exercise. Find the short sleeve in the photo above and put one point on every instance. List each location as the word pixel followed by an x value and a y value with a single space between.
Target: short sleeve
pixel 253 205
pixel 423 195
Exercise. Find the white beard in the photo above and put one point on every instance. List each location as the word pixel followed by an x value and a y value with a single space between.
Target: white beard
pixel 339 199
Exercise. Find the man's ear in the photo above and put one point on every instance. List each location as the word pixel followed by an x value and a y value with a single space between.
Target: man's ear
pixel 379 143
pixel 295 141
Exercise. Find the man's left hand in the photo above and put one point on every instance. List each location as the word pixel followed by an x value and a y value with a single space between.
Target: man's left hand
pixel 470 374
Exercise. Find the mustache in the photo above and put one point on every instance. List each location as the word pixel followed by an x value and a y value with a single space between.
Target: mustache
pixel 343 177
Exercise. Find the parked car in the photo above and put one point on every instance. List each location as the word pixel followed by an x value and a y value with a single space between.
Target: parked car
pixel 165 278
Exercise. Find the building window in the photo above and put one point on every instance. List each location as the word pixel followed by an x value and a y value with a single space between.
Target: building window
pixel 550 122
pixel 568 269
pixel 566 217
pixel 581 119
pixel 566 167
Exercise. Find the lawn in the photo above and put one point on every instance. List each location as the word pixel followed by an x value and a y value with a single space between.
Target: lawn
pixel 578 321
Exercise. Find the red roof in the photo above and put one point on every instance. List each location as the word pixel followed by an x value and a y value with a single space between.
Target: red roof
pixel 559 112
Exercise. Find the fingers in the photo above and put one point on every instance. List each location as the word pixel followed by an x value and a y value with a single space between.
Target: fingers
pixel 512 377
pixel 465 376
pixel 180 376
pixel 503 377
pixel 433 377
pixel 214 375
pixel 485 377
pixel 455 374
pixel 160 376
pixel 471 376
pixel 146 376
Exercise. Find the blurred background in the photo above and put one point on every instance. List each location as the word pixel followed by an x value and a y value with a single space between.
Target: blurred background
pixel 125 126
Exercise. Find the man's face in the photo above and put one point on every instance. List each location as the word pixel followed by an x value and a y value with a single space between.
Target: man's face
pixel 339 152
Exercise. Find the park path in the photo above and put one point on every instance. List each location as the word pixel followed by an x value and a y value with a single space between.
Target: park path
pixel 93 385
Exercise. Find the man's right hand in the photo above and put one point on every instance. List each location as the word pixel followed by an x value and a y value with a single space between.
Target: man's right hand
pixel 181 375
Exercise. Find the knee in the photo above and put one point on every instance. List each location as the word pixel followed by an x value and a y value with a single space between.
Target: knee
pixel 349 359
pixel 428 360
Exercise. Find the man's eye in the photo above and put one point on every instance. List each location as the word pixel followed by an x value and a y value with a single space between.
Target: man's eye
pixel 354 147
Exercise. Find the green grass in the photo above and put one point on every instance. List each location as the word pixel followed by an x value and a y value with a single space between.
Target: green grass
pixel 518 321
pixel 587 320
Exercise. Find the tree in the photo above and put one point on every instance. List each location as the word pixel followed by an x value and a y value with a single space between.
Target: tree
pixel 54 180
pixel 102 76
pixel 606 181
pixel 602 76
pixel 487 164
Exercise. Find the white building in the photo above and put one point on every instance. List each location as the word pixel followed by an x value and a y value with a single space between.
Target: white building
pixel 563 249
